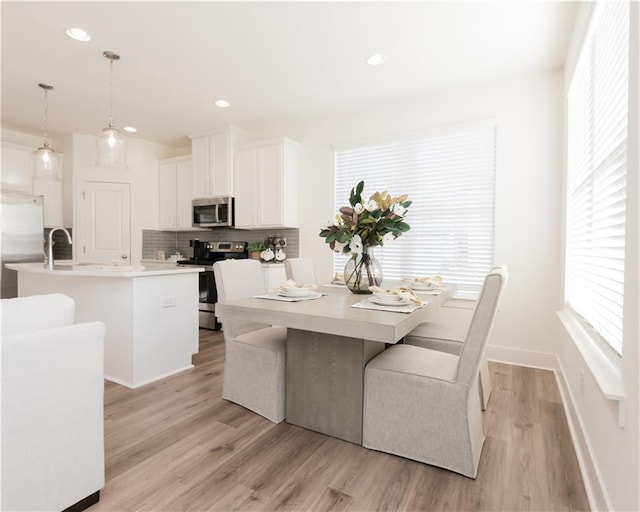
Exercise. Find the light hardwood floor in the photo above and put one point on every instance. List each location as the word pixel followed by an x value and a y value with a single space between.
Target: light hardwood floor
pixel 175 445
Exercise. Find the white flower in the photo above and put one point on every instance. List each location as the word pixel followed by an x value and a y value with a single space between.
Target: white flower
pixel 371 205
pixel 399 210
pixel 339 246
pixel 358 208
pixel 388 237
pixel 355 245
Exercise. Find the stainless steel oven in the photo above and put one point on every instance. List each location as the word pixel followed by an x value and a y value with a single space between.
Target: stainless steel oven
pixel 205 254
pixel 213 212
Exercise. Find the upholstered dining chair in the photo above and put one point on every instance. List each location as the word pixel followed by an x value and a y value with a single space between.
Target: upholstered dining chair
pixel 446 331
pixel 300 270
pixel 255 354
pixel 424 404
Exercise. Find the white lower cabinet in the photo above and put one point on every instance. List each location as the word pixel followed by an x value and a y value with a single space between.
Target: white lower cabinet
pixel 175 176
pixel 266 184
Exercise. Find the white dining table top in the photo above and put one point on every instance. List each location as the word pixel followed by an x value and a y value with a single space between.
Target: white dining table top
pixel 330 314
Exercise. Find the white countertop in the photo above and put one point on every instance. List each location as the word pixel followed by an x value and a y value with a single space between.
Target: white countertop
pixel 67 268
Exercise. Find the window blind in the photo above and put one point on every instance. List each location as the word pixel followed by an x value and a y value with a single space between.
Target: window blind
pixel 596 179
pixel 450 177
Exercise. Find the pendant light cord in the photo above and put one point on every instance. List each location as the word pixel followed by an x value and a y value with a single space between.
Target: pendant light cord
pixel 46 115
pixel 111 92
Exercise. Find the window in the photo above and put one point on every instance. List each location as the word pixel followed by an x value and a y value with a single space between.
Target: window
pixel 450 177
pixel 596 177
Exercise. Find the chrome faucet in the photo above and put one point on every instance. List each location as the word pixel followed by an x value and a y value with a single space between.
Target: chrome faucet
pixel 50 247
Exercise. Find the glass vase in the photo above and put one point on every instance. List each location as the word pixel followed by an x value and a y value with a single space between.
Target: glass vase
pixel 362 270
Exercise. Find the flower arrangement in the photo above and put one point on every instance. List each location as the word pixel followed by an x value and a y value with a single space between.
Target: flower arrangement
pixel 367 224
pixel 362 225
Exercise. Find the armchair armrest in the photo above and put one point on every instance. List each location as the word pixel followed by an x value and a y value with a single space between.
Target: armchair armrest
pixel 52 416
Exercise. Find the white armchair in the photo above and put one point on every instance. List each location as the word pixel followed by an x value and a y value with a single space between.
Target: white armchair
pixel 52 405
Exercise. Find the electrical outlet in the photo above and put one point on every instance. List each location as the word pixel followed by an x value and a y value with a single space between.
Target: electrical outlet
pixel 582 382
pixel 168 302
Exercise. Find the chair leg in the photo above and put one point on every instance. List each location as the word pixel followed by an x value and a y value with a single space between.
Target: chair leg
pixel 484 381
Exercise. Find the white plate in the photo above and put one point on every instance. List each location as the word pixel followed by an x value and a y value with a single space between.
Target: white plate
pixel 376 300
pixel 295 292
pixel 386 297
pixel 422 287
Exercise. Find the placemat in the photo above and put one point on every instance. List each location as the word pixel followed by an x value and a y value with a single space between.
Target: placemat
pixel 275 296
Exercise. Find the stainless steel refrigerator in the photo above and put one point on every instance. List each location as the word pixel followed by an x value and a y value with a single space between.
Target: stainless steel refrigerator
pixel 22 235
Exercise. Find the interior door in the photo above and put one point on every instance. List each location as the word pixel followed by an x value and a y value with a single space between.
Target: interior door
pixel 106 222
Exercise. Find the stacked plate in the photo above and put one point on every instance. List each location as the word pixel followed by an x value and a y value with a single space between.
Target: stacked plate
pixel 422 287
pixel 296 292
pixel 387 299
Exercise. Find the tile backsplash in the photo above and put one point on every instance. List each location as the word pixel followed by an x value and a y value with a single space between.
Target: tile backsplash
pixel 178 241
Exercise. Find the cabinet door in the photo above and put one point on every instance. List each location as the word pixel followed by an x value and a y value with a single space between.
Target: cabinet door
pixel 201 155
pixel 17 168
pixel 167 173
pixel 246 185
pixel 222 179
pixel 105 210
pixel 183 188
pixel 271 186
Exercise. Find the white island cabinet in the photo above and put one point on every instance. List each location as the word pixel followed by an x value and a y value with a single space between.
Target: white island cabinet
pixel 151 315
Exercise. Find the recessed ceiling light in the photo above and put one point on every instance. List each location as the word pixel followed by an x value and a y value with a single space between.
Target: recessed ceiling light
pixel 376 59
pixel 130 129
pixel 223 104
pixel 78 34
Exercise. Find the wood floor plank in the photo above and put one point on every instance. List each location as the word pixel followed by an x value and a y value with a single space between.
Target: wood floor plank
pixel 175 445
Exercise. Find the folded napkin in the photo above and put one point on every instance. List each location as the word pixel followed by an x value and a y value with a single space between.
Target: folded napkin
pixel 338 278
pixel 406 294
pixel 290 283
pixel 435 280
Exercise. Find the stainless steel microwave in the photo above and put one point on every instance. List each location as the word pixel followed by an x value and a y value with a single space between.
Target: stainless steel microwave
pixel 213 212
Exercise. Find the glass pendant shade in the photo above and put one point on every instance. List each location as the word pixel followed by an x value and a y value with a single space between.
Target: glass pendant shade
pixel 46 162
pixel 111 145
pixel 112 149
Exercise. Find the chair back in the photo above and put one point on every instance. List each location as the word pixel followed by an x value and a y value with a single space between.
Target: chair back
pixel 300 270
pixel 481 324
pixel 237 279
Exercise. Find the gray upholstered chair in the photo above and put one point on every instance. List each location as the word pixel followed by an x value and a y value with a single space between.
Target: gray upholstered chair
pixel 446 330
pixel 255 354
pixel 424 404
pixel 300 270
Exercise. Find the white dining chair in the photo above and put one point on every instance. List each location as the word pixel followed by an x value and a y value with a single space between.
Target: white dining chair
pixel 446 330
pixel 255 354
pixel 300 270
pixel 424 404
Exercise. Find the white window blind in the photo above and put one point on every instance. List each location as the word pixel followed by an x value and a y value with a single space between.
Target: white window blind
pixel 596 180
pixel 450 177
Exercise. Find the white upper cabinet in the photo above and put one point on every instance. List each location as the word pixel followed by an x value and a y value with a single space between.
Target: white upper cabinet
pixel 17 168
pixel 175 193
pixel 212 155
pixel 266 177
pixel 17 174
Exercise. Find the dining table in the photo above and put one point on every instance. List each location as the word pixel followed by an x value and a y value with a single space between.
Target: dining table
pixel 330 339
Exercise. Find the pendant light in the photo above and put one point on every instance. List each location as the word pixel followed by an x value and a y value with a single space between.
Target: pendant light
pixel 46 160
pixel 111 145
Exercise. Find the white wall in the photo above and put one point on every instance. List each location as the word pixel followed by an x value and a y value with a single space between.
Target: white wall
pixel 529 163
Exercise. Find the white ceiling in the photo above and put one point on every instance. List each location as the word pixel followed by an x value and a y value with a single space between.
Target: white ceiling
pixel 269 59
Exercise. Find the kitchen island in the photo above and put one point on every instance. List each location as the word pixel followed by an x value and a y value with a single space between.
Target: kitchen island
pixel 150 313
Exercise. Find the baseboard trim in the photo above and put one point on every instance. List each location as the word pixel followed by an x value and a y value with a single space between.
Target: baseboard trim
pixel 84 503
pixel 596 493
